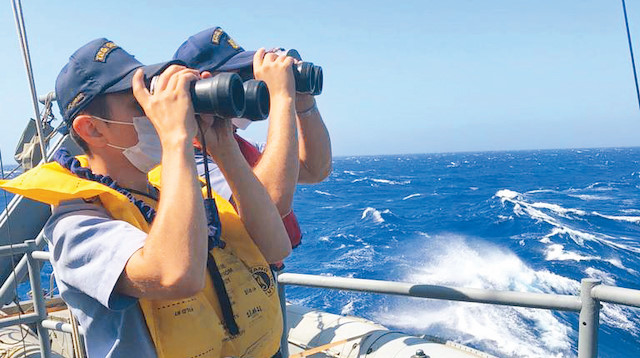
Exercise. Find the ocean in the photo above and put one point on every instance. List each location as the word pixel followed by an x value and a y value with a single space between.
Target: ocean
pixel 536 221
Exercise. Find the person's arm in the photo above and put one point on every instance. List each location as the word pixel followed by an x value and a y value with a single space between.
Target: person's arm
pixel 172 262
pixel 278 166
pixel 315 144
pixel 255 207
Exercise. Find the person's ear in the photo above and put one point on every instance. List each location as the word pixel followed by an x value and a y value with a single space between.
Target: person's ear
pixel 90 130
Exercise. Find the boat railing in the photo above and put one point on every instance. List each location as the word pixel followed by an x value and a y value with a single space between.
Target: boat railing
pixel 592 292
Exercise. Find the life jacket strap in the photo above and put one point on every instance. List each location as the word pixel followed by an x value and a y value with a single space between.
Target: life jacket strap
pixel 223 296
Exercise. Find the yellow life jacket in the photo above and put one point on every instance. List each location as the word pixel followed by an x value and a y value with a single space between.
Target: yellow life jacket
pixel 190 327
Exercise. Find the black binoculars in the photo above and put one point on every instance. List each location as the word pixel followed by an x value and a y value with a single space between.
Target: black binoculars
pixel 224 95
pixel 308 76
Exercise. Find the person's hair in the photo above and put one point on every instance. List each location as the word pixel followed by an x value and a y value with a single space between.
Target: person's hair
pixel 97 107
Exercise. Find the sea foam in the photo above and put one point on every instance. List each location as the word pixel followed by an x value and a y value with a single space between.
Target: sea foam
pixel 374 214
pixel 507 331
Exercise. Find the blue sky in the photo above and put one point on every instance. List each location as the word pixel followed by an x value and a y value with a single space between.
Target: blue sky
pixel 400 77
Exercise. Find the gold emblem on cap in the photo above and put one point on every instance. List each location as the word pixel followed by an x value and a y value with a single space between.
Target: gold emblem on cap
pixel 215 39
pixel 233 43
pixel 104 51
pixel 76 100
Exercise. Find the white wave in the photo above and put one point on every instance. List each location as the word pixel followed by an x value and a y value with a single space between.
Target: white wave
pixel 541 191
pixel 323 193
pixel 453 165
pixel 631 211
pixel 348 259
pixel 619 317
pixel 324 238
pixel 630 219
pixel 598 187
pixel 587 197
pixel 579 237
pixel 382 181
pixel 509 331
pixel 473 188
pixel 605 277
pixel 348 308
pixel 411 196
pixel 375 215
pixel 508 195
pixel 391 182
pixel 556 252
pixel 522 208
pixel 558 209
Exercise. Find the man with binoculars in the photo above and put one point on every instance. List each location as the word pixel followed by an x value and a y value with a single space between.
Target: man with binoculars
pixel 148 270
pixel 298 148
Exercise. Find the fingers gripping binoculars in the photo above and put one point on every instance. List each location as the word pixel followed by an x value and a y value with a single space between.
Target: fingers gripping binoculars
pixel 308 76
pixel 225 95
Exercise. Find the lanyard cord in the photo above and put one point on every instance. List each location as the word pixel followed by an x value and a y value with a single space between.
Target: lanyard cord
pixel 213 220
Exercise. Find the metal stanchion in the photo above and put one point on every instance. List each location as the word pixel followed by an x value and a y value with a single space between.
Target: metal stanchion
pixel 284 341
pixel 589 320
pixel 38 299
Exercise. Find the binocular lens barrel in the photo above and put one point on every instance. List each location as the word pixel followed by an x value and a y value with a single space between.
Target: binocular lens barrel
pixel 256 95
pixel 317 89
pixel 307 75
pixel 222 95
pixel 303 73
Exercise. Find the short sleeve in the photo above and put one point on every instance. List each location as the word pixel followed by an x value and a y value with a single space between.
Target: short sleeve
pixel 89 250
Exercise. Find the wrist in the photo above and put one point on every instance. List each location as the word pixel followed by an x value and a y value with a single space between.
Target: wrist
pixel 301 113
pixel 304 101
pixel 284 98
pixel 178 145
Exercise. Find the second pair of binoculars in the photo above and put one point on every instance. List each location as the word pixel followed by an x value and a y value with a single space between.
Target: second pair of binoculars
pixel 225 95
pixel 308 76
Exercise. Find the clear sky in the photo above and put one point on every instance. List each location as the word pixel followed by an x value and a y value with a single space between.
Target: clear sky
pixel 400 76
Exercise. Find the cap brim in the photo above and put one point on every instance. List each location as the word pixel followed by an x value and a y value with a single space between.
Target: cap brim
pixel 149 72
pixel 238 61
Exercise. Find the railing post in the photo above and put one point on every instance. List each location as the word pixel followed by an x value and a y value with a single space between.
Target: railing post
pixel 589 320
pixel 38 299
pixel 284 341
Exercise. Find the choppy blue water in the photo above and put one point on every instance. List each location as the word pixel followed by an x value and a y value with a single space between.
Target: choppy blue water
pixel 535 221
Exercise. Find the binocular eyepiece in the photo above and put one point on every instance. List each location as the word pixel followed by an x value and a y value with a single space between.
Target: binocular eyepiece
pixel 308 76
pixel 224 95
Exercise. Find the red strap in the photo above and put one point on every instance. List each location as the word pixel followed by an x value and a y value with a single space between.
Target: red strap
pixel 252 155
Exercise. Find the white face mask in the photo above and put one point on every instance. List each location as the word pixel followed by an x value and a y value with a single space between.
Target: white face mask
pixel 147 153
pixel 240 123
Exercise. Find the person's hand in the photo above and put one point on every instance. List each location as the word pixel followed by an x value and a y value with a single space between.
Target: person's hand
pixel 276 71
pixel 169 107
pixel 218 133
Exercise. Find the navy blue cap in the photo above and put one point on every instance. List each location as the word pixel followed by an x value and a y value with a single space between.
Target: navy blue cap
pixel 213 50
pixel 96 68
